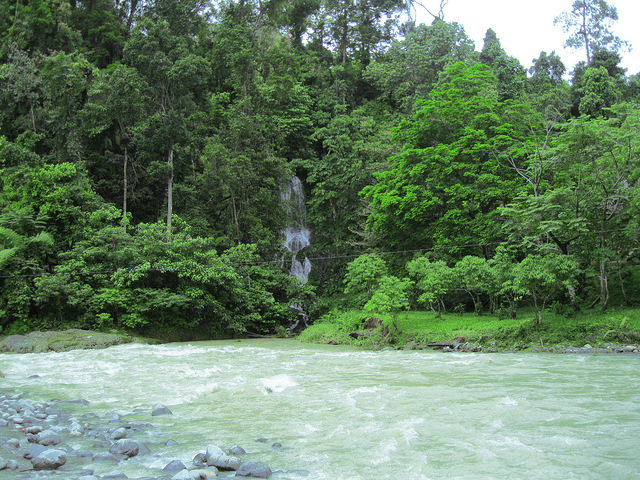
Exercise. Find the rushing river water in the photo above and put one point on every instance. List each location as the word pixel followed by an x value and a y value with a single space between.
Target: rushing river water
pixel 347 414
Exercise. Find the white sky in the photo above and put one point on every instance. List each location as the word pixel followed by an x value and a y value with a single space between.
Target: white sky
pixel 525 27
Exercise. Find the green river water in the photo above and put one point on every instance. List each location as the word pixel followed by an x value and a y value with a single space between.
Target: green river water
pixel 341 413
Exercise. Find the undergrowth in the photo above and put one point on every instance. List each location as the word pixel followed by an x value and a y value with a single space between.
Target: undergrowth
pixel 621 326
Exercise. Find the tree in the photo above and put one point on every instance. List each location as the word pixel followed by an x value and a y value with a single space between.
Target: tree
pixel 363 277
pixel 390 297
pixel 433 280
pixel 117 98
pixel 411 67
pixel 589 26
pixel 474 276
pixel 176 79
pixel 541 277
pixel 442 190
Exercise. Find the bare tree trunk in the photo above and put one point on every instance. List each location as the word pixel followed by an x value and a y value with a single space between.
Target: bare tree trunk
pixel 170 192
pixel 124 178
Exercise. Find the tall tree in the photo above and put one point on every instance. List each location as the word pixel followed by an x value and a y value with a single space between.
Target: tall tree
pixel 589 26
pixel 443 189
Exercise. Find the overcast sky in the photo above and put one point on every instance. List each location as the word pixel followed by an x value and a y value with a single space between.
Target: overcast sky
pixel 525 27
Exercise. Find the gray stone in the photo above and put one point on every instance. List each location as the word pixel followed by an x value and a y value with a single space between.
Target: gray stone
pixel 236 450
pixel 118 434
pixel 47 438
pixel 75 429
pixel 159 409
pixel 185 475
pixel 224 462
pixel 33 451
pixel 115 474
pixel 50 459
pixel 254 470
pixel 174 466
pixel 125 447
pixel 104 457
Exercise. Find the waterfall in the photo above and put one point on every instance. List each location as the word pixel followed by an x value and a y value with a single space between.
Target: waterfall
pixel 297 238
pixel 297 235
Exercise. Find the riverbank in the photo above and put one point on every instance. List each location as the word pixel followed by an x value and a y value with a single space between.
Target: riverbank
pixel 616 331
pixel 38 437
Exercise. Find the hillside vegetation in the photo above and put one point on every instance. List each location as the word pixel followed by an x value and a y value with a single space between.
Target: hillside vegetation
pixel 145 147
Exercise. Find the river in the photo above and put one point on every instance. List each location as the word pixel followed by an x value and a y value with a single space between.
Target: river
pixel 341 413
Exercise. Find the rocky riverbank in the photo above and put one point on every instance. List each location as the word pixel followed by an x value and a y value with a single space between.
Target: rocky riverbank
pixel 40 437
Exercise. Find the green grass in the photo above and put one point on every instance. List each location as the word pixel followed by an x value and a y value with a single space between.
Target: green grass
pixel 618 326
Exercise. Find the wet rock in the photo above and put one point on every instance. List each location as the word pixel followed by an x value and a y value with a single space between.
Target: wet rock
pixel 254 470
pixel 115 474
pixel 33 451
pixel 216 457
pixel 105 457
pixel 174 466
pixel 50 459
pixel 189 475
pixel 159 409
pixel 125 447
pixel 118 434
pixel 47 438
pixel 236 450
pixel 171 443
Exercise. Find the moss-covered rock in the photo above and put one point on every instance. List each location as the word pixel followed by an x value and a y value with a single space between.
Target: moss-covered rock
pixel 36 342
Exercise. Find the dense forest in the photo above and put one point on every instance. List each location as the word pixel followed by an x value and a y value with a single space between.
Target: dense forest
pixel 144 145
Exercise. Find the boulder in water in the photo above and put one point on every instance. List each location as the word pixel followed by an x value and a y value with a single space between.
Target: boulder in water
pixel 50 459
pixel 125 447
pixel 159 409
pixel 174 466
pixel 254 470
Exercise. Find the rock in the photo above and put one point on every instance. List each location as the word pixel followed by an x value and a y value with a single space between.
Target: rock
pixel 171 442
pixel 187 475
pixel 224 462
pixel 33 452
pixel 213 451
pixel 254 470
pixel 410 346
pixel 47 438
pixel 3 463
pixel 118 434
pixel 174 466
pixel 276 446
pixel 50 459
pixel 105 457
pixel 76 430
pixel 208 472
pixel 115 474
pixel 159 409
pixel 236 450
pixel 125 447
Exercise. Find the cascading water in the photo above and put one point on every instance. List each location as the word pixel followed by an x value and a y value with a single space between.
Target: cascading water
pixel 297 235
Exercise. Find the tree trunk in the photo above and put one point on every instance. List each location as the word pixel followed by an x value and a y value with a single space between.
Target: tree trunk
pixel 124 181
pixel 170 192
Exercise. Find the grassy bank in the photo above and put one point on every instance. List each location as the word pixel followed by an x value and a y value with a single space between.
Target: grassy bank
pixel 620 326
